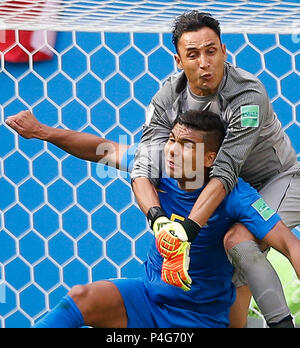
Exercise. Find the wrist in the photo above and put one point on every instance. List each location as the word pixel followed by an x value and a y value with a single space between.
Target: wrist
pixel 191 227
pixel 153 214
pixel 43 132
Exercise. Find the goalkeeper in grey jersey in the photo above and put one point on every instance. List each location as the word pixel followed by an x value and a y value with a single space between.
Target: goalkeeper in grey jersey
pixel 255 148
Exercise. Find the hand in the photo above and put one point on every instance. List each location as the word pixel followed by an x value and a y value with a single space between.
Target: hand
pixel 169 238
pixel 25 124
pixel 159 224
pixel 175 269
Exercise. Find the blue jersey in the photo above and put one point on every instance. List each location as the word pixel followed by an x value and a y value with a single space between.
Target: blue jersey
pixel 212 290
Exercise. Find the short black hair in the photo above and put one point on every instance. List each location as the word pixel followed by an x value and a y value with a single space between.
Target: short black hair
pixel 193 21
pixel 210 123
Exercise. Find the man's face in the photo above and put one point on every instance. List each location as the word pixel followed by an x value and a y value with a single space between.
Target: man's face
pixel 201 55
pixel 184 155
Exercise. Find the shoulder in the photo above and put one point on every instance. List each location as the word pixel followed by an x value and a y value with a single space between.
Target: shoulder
pixel 242 189
pixel 170 90
pixel 251 210
pixel 241 86
pixel 246 204
pixel 242 195
pixel 241 77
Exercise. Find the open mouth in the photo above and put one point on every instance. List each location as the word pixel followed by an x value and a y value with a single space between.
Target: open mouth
pixel 207 77
pixel 171 164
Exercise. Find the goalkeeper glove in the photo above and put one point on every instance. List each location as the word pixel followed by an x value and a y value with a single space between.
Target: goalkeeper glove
pixel 175 269
pixel 157 219
pixel 173 243
pixel 170 237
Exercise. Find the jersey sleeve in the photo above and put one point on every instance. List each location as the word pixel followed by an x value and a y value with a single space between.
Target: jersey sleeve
pixel 245 205
pixel 246 115
pixel 149 156
pixel 159 121
pixel 128 158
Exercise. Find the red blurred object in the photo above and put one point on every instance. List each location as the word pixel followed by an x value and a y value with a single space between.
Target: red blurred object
pixel 18 51
pixel 18 45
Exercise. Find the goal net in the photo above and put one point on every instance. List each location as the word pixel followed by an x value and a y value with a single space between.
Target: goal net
pixel 150 16
pixel 61 222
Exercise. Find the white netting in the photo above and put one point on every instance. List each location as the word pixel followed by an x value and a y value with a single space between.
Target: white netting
pixel 147 16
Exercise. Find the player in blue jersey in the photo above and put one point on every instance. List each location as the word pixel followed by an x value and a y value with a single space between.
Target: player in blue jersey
pixel 150 302
pixel 255 148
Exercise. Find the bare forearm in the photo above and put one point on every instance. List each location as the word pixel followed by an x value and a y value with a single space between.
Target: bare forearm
pixel 145 194
pixel 208 201
pixel 294 258
pixel 283 240
pixel 81 145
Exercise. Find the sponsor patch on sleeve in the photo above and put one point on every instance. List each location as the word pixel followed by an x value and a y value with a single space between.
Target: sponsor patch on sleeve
pixel 250 116
pixel 263 209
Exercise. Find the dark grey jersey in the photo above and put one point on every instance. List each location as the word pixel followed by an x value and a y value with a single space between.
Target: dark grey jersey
pixel 255 147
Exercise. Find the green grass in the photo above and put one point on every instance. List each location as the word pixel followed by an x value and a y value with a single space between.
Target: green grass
pixel 290 283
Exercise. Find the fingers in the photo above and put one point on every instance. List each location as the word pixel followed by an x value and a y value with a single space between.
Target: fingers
pixel 20 117
pixel 177 279
pixel 24 123
pixel 174 273
pixel 167 244
pixel 165 251
pixel 171 278
pixel 166 254
pixel 18 128
pixel 13 124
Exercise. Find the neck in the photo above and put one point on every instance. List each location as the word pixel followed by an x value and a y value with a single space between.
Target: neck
pixel 189 185
pixel 202 92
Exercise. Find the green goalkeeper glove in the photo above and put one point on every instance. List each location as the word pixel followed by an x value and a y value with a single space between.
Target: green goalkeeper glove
pixel 157 219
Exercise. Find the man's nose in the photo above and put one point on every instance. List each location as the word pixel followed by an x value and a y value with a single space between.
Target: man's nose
pixel 175 149
pixel 204 62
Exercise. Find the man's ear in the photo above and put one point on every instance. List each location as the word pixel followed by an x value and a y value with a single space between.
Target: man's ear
pixel 209 158
pixel 224 50
pixel 178 61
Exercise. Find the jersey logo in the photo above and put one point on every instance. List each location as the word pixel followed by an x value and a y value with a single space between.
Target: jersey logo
pixel 250 116
pixel 263 209
pixel 175 217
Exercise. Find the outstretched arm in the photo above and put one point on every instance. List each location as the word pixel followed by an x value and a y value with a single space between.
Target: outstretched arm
pixel 82 145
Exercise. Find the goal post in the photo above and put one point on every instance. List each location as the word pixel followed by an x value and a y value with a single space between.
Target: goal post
pixel 61 223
